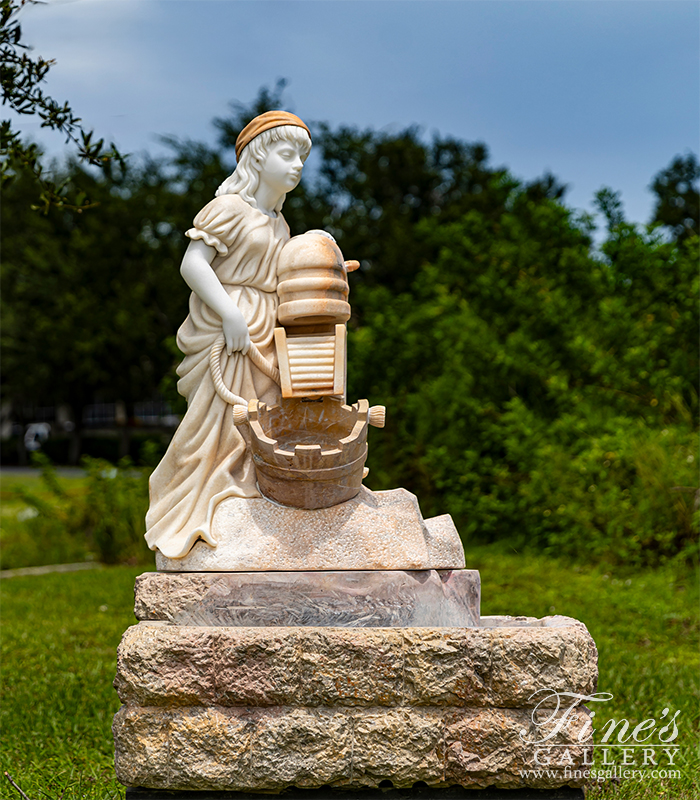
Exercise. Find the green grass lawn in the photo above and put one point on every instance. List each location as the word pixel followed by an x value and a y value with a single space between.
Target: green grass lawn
pixel 60 633
pixel 12 482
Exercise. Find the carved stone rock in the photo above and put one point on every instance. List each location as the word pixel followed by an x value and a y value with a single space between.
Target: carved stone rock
pixel 373 531
pixel 264 709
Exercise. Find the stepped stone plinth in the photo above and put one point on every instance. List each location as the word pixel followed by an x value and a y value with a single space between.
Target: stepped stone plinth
pixel 237 708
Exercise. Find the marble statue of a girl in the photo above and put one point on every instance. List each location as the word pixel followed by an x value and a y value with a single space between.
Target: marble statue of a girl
pixel 231 267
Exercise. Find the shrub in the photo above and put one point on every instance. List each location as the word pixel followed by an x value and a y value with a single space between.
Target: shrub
pixel 104 519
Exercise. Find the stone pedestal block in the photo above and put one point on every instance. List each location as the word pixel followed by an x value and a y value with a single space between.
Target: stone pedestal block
pixel 268 750
pixel 263 709
pixel 367 599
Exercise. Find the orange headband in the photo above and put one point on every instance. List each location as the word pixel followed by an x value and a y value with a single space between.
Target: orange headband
pixel 270 119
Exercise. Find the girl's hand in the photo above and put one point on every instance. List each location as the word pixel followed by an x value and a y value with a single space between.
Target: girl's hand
pixel 235 331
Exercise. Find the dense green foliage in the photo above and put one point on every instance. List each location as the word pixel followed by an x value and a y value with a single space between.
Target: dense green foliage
pixel 60 634
pixel 539 389
pixel 678 202
pixel 87 301
pixel 539 393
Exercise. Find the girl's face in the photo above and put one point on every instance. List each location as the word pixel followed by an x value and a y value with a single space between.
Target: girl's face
pixel 280 170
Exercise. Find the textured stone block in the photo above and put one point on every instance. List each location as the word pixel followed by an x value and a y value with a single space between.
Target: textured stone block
pixel 232 749
pixel 378 599
pixel 351 667
pixel 210 748
pixel 270 749
pixel 403 745
pixel 447 666
pixel 373 531
pixel 142 746
pixel 159 664
pixel 256 666
pixel 501 666
pixel 483 741
pixel 263 709
pixel 302 747
pixel 491 746
pixel 526 660
pixel 443 541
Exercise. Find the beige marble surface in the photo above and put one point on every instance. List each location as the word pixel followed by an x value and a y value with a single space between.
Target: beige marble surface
pixel 324 598
pixel 373 531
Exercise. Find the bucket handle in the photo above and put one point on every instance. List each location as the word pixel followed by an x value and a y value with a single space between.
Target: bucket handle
pixel 215 366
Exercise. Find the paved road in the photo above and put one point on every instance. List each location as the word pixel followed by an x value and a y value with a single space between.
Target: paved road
pixel 19 472
pixel 22 572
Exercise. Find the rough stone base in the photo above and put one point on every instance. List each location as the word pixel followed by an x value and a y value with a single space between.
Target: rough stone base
pixel 367 599
pixel 373 531
pixel 264 709
pixel 273 748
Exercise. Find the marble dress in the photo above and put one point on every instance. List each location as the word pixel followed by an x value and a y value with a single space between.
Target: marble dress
pixel 207 460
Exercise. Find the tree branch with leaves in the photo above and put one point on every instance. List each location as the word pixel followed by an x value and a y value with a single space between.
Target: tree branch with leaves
pixel 21 76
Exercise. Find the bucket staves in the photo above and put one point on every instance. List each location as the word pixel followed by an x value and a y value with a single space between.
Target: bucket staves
pixel 309 454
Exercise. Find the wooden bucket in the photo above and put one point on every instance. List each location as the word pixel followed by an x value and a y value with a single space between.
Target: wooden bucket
pixel 309 453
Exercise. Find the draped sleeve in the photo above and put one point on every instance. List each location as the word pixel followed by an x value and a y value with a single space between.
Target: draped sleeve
pixel 218 223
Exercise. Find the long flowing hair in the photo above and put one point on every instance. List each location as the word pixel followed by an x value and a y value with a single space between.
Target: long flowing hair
pixel 245 179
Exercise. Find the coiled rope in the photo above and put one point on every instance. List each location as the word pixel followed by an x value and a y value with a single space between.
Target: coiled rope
pixel 215 366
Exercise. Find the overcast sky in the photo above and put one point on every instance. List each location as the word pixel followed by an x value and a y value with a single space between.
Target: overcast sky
pixel 597 92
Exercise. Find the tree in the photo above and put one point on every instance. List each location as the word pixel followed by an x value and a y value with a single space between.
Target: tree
pixel 678 198
pixel 540 392
pixel 376 187
pixel 21 77
pixel 372 187
pixel 88 301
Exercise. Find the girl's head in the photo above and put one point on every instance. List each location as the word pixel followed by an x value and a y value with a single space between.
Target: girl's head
pixel 252 147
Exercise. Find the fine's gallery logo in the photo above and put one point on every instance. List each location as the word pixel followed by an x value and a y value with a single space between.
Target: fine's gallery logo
pixel 562 738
